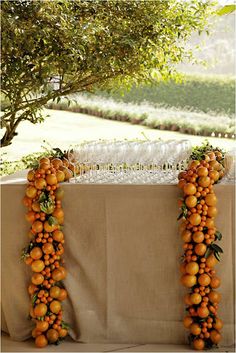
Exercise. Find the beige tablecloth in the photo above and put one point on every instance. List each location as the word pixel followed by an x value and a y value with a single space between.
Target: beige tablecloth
pixel 122 253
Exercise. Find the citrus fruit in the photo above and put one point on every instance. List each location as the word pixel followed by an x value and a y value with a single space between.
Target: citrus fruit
pixel 40 183
pixel 32 289
pixel 195 298
pixel 204 181
pixel 187 321
pixel 58 235
pixel 42 325
pixel 40 310
pixel 210 199
pixel 195 329
pixel 182 268
pixel 63 332
pixel 188 280
pixel 191 201
pixel 44 160
pixel 31 192
pixel 30 175
pixel 215 165
pixel 47 248
pixel 37 278
pixel 198 344
pixel 30 216
pixel 52 335
pixel 215 336
pixel 60 176
pixel 187 299
pixel 37 266
pixel 211 261
pixel 63 295
pixel 210 223
pixel 190 189
pixel 202 312
pixel 36 253
pixel 57 275
pixel 55 292
pixel 214 296
pixel 198 237
pixel 35 333
pixel 49 228
pixel 57 163
pixel 200 249
pixel 51 179
pixel 37 227
pixel 204 280
pixel 41 341
pixel 55 306
pixel 218 324
pixel 214 175
pixel 36 206
pixel 212 211
pixel 202 171
pixel 192 268
pixel 59 194
pixel 195 219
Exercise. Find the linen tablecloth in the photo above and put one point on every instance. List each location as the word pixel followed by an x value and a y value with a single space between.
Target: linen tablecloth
pixel 122 254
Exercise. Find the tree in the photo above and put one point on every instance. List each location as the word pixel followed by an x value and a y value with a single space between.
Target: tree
pixel 54 48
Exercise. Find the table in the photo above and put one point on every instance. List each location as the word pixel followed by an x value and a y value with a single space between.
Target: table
pixel 122 252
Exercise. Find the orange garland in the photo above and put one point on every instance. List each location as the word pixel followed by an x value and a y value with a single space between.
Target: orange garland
pixel 201 254
pixel 45 250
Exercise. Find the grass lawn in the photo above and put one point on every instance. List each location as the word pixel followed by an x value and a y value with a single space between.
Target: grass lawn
pixel 63 129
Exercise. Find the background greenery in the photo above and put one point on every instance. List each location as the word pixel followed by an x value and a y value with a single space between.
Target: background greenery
pixel 204 93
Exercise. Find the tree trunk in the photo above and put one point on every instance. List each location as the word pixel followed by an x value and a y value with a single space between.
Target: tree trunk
pixel 10 132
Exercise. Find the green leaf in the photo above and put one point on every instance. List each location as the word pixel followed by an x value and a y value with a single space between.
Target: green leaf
pixel 217 255
pixel 34 298
pixel 65 325
pixel 208 252
pixel 218 235
pixel 180 216
pixel 227 9
pixel 216 248
pixel 52 221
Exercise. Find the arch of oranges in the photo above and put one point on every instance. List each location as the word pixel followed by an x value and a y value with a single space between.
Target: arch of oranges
pixel 43 199
pixel 201 253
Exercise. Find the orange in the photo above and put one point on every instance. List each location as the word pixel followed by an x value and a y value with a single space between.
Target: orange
pixel 36 253
pixel 181 183
pixel 44 160
pixel 188 280
pixel 192 268
pixel 65 162
pixel 60 176
pixel 202 171
pixel 52 335
pixel 211 261
pixel 214 296
pixel 214 175
pixel 211 155
pixel 59 236
pixel 198 344
pixel 210 199
pixel 40 310
pixel 41 341
pixel 212 211
pixel 202 312
pixel 190 189
pixel 63 271
pixel 55 306
pixel 68 173
pixel 63 295
pixel 187 321
pixel 204 280
pixel 191 201
pixel 195 219
pixel 210 223
pixel 193 164
pixel 215 165
pixel 31 175
pixel 37 278
pixel 57 275
pixel 40 183
pixel 63 332
pixel 30 216
pixel 36 206
pixel 55 292
pixel 198 237
pixel 215 336
pixel 195 329
pixel 44 166
pixel 49 228
pixel 195 298
pixel 35 333
pixel 51 179
pixel 218 324
pixel 204 181
pixel 42 325
pixel 37 266
pixel 26 201
pixel 47 248
pixel 59 194
pixel 57 163
pixel 187 299
pixel 200 249
pixel 218 155
pixel 37 227
pixel 32 289
pixel 58 213
pixel 31 192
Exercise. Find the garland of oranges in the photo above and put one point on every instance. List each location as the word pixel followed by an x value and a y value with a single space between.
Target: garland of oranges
pixel 44 253
pixel 201 253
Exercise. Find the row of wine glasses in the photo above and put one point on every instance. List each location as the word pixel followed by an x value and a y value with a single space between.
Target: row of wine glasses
pixel 130 161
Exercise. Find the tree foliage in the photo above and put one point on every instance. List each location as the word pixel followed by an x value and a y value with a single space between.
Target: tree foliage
pixel 54 48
